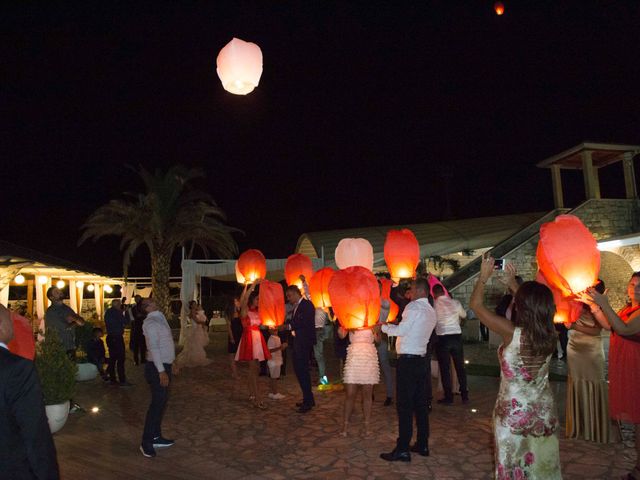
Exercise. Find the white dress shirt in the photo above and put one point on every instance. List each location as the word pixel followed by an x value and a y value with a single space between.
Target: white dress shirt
pixel 157 334
pixel 414 331
pixel 448 313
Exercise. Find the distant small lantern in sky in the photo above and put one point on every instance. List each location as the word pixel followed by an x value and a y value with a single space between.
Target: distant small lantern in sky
pixel 296 265
pixel 352 252
pixel 252 265
pixel 401 253
pixel 239 66
pixel 499 8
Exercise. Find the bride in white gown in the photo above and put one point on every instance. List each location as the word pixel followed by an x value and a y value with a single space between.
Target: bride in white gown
pixel 197 337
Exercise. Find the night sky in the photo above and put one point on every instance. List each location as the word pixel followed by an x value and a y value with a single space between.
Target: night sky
pixel 362 112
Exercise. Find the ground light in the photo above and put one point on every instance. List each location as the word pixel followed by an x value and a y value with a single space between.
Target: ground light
pixel 466 362
pixel 473 410
pixel 95 409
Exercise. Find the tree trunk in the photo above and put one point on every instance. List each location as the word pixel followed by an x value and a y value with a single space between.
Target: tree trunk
pixel 160 272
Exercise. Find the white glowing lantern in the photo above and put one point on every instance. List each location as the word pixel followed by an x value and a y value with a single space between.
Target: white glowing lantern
pixel 108 289
pixel 42 280
pixel 19 279
pixel 60 284
pixel 90 287
pixel 354 252
pixel 239 66
pixel 80 284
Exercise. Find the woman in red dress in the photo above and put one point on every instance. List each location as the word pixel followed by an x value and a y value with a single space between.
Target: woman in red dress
pixel 624 358
pixel 252 347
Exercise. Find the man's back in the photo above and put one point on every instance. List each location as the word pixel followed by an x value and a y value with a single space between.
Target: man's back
pixel 448 312
pixel 56 318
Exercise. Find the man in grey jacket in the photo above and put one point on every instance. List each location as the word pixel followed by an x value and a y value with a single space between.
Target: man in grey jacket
pixel 157 371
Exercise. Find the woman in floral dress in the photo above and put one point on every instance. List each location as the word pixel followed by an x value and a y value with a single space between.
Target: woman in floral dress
pixel 525 419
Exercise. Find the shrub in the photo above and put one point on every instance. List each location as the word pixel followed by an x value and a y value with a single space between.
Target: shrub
pixel 56 371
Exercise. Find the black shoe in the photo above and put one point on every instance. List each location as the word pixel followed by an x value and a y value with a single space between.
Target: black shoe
pixel 388 402
pixel 420 451
pixel 161 442
pixel 445 401
pixel 395 456
pixel 302 404
pixel 126 384
pixel 304 408
pixel 147 451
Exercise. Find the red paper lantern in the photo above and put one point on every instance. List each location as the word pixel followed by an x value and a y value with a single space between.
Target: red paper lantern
pixel 319 287
pixel 252 265
pixel 567 310
pixel 296 265
pixel 22 343
pixel 568 255
pixel 355 297
pixel 385 294
pixel 352 252
pixel 271 304
pixel 401 253
pixel 499 8
pixel 239 277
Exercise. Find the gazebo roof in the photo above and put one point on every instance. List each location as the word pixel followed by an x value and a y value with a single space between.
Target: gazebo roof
pixel 602 154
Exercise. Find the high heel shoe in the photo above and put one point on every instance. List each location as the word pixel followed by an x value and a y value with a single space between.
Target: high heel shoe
pixel 343 433
pixel 367 431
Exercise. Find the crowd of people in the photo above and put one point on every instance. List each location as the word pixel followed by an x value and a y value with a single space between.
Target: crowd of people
pixel 525 420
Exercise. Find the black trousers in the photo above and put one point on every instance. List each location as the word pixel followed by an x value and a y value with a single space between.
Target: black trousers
pixel 411 401
pixel 139 348
pixel 301 353
pixel 115 344
pixel 159 396
pixel 450 346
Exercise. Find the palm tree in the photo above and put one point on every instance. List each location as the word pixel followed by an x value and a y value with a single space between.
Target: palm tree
pixel 170 213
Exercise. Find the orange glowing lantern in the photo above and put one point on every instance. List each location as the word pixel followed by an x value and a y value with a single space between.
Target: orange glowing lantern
pixel 499 8
pixel 239 276
pixel 567 310
pixel 401 253
pixel 568 255
pixel 252 265
pixel 239 66
pixel 355 297
pixel 271 304
pixel 296 265
pixel 385 294
pixel 352 252
pixel 319 287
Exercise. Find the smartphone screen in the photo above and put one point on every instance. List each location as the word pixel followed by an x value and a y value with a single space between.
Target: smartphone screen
pixel 499 264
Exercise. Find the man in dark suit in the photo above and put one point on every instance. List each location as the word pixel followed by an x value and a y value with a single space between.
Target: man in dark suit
pixel 303 328
pixel 26 446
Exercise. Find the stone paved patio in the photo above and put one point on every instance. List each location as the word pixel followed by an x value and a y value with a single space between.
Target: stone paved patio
pixel 220 436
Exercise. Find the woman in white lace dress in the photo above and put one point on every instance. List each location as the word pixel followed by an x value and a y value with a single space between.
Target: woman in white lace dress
pixel 193 354
pixel 361 371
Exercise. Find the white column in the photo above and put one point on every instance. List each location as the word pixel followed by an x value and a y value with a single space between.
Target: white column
pixel 42 302
pixel 4 296
pixel 98 296
pixel 73 302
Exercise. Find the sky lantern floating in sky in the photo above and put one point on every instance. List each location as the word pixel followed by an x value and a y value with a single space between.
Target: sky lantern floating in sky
pixel 319 287
pixel 355 297
pixel 296 265
pixel 498 7
pixel 352 252
pixel 239 66
pixel 271 304
pixel 252 265
pixel 568 255
pixel 385 294
pixel 401 253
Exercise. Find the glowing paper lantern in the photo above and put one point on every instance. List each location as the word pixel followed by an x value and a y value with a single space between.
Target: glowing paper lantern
pixel 568 255
pixel 296 265
pixel 42 280
pixel 252 265
pixel 60 284
pixel 499 8
pixel 239 276
pixel 19 279
pixel 239 66
pixel 319 287
pixel 567 310
pixel 22 343
pixel 401 253
pixel 90 287
pixel 352 252
pixel 271 304
pixel 385 294
pixel 108 288
pixel 355 297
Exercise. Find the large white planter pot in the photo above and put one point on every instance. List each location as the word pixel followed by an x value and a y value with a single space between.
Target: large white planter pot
pixel 86 371
pixel 57 415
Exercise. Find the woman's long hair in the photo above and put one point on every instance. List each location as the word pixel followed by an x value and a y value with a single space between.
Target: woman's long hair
pixel 536 308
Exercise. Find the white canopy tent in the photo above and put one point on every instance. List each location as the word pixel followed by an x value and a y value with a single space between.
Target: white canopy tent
pixel 224 270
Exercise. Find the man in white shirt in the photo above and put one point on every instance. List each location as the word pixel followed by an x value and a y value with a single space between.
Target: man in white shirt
pixel 413 332
pixel 449 345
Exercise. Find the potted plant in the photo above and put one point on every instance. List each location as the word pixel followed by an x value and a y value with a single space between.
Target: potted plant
pixel 86 370
pixel 57 378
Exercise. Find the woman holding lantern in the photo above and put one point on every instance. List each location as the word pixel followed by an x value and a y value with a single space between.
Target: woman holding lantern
pixel 252 347
pixel 524 416
pixel 624 357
